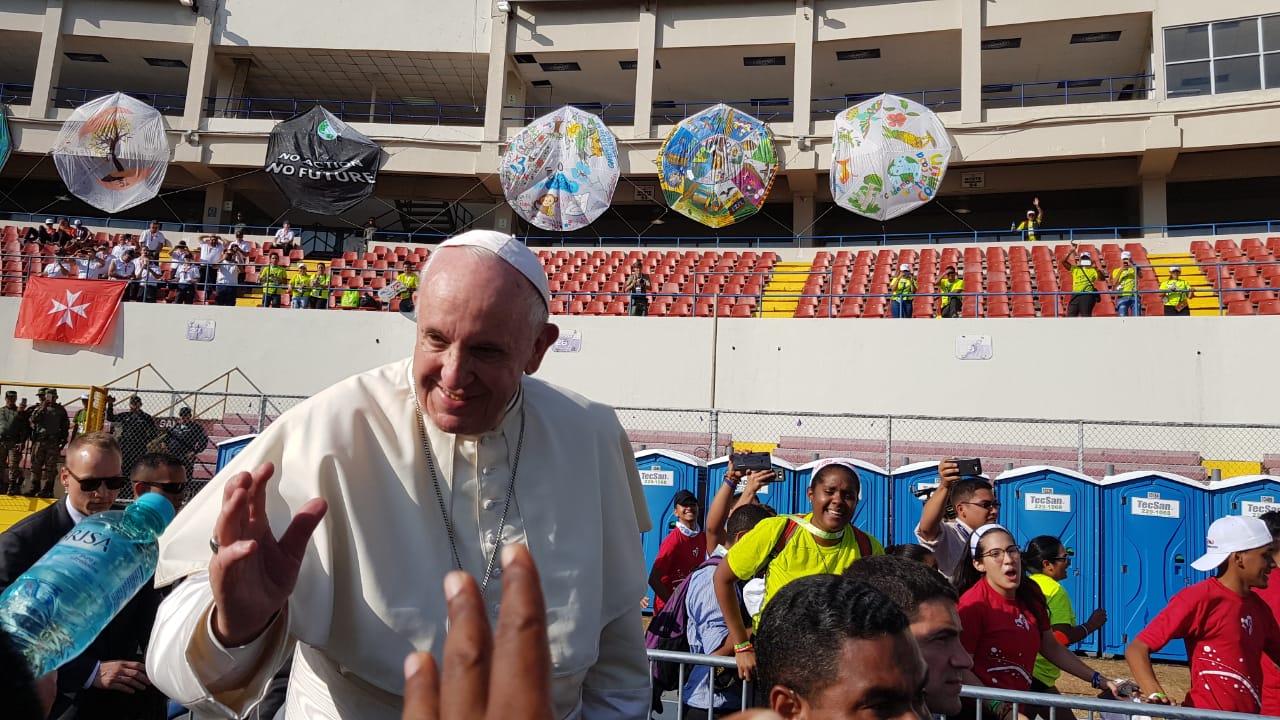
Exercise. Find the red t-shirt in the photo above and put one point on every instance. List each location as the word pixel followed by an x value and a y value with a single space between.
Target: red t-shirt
pixel 1002 634
pixel 678 556
pixel 1270 674
pixel 1226 635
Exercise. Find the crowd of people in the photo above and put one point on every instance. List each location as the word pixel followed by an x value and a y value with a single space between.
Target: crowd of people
pixel 295 557
pixel 982 609
pixel 34 436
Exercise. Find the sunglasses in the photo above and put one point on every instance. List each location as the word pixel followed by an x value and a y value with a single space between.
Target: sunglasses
pixel 170 488
pixel 91 484
pixel 985 504
pixel 1064 558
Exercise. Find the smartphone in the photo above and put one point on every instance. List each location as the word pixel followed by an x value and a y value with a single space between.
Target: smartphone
pixel 969 467
pixel 752 461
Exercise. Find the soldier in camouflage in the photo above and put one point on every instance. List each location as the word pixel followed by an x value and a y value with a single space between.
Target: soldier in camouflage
pixel 15 426
pixel 49 429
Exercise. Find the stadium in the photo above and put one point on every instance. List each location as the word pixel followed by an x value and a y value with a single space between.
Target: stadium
pixel 1144 127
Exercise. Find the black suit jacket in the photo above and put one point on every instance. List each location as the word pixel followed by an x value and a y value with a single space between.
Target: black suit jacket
pixel 124 638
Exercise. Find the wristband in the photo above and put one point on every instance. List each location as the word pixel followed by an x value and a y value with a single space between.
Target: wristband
pixel 993 706
pixel 1155 695
pixel 731 483
pixel 1096 682
pixel 743 647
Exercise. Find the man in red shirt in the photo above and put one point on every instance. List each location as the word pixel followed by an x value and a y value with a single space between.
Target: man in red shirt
pixel 1227 628
pixel 681 551
pixel 1271 596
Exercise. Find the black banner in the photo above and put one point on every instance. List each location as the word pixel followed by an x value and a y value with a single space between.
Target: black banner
pixel 321 164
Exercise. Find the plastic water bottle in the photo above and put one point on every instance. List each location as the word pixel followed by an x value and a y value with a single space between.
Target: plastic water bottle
pixel 55 610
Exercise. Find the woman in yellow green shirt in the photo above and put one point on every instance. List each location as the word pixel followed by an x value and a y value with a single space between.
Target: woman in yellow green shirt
pixel 821 542
pixel 1046 562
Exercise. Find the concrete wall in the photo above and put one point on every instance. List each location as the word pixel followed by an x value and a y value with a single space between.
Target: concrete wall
pixel 1190 369
pixel 435 26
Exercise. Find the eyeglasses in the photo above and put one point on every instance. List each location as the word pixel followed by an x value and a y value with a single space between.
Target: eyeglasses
pixel 1012 551
pixel 170 488
pixel 91 484
pixel 1064 558
pixel 985 504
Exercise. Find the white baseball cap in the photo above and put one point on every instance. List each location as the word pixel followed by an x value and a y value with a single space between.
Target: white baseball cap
pixel 904 267
pixel 1085 256
pixel 1126 255
pixel 1175 269
pixel 48 221
pixel 1233 533
pixel 517 254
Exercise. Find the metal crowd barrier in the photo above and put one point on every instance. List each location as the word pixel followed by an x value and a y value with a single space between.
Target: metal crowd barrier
pixel 1060 706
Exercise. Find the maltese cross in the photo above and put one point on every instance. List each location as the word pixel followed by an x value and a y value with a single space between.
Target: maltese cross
pixel 68 308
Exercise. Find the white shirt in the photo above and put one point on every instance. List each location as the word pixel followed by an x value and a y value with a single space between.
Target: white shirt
pixel 120 269
pixel 147 271
pixel 369 587
pixel 153 241
pixel 187 273
pixel 119 250
pixel 90 268
pixel 211 254
pixel 949 547
pixel 284 236
pixel 56 269
pixel 228 272
pixel 244 246
pixel 180 255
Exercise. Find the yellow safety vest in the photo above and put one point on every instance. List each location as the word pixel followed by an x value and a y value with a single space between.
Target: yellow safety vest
pixel 1083 278
pixel 272 280
pixel 410 282
pixel 1125 280
pixel 320 286
pixel 950 286
pixel 350 299
pixel 1175 292
pixel 903 289
pixel 1029 227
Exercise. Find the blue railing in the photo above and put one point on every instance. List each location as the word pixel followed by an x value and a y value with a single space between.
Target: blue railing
pixel 1028 94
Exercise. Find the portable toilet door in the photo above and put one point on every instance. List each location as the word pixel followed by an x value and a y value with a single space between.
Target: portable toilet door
pixel 1153 526
pixel 1250 495
pixel 909 482
pixel 1044 500
pixel 779 495
pixel 663 473
pixel 872 512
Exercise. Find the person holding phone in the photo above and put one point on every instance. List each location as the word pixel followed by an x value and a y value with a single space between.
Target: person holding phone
pixel 975 505
pixel 1084 281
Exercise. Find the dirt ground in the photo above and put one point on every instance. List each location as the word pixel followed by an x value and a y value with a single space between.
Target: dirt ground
pixel 1174 677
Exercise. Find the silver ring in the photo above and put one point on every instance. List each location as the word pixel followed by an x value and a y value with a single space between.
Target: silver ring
pixel 214 546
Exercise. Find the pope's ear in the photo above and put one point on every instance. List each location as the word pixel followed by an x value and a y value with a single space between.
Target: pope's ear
pixel 546 338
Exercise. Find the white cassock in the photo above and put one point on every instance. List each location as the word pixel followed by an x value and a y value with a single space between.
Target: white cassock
pixel 370 587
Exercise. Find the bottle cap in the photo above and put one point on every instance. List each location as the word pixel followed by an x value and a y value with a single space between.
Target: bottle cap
pixel 159 504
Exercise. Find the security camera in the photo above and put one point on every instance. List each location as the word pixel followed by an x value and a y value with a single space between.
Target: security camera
pixel 504 7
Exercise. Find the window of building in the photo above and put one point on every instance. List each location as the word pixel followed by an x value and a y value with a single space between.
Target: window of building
pixel 1222 57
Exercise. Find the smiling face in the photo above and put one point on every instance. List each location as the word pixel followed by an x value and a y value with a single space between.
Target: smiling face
pixel 879 678
pixel 1255 565
pixel 833 495
pixel 936 629
pixel 999 559
pixel 475 340
pixel 687 514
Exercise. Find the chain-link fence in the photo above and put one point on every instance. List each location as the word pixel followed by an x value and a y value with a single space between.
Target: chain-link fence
pixel 1095 448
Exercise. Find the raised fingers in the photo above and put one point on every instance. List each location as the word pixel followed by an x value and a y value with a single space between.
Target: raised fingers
pixel 521 656
pixel 467 650
pixel 421 688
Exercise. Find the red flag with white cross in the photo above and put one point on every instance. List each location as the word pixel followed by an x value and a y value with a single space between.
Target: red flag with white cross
pixel 68 311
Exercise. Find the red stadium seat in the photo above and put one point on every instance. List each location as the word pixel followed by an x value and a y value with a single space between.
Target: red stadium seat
pixel 1269 307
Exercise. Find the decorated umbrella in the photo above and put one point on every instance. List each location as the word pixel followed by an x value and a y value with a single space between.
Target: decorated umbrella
pixel 112 152
pixel 887 158
pixel 717 166
pixel 321 164
pixel 560 172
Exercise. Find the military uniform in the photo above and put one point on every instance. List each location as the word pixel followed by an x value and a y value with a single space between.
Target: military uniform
pixel 15 426
pixel 49 428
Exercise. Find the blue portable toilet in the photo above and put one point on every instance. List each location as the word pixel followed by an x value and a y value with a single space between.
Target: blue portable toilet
pixel 779 495
pixel 231 447
pixel 1250 495
pixel 1153 526
pixel 1044 500
pixel 663 473
pixel 872 513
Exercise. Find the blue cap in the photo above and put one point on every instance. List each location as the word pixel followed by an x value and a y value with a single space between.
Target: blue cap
pixel 159 504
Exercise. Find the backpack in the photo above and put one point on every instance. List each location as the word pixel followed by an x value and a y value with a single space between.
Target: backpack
pixel 667 629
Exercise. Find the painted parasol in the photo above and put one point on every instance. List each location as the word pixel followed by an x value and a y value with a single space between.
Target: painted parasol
pixel 888 156
pixel 559 173
pixel 717 166
pixel 112 152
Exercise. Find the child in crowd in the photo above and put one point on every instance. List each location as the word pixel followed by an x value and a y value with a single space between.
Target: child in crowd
pixel 1271 596
pixel 1227 628
pixel 1046 561
pixel 682 550
pixel 1006 620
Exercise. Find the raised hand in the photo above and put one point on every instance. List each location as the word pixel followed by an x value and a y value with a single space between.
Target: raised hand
pixel 253 573
pixel 506 676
